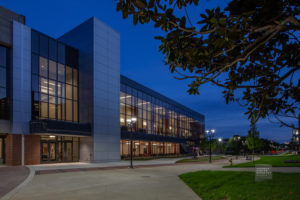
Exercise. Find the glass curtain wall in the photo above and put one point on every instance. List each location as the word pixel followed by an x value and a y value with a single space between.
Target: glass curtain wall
pixel 155 116
pixel 4 107
pixel 54 79
pixel 59 149
pixel 147 148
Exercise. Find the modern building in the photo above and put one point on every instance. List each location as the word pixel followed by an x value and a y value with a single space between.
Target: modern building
pixel 64 100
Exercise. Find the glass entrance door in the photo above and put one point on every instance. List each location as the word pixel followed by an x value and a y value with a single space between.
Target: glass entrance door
pixel 44 152
pixel 52 151
pixel 59 149
pixel 68 152
pixel 48 151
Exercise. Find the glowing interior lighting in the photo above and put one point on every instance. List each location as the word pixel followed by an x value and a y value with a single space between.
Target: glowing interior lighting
pixel 133 119
pixel 52 136
pixel 125 97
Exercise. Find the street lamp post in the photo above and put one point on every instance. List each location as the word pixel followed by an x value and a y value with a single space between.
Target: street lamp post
pixel 210 134
pixel 220 145
pixel 131 122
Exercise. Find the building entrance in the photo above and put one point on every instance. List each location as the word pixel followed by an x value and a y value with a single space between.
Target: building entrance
pixel 59 149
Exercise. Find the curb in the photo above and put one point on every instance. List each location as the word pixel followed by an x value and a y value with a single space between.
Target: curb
pixel 14 191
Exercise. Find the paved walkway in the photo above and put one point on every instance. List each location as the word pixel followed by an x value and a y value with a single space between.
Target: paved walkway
pixel 160 182
pixel 122 163
pixel 11 177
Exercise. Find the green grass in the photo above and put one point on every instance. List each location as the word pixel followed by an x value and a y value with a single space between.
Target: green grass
pixel 226 185
pixel 201 159
pixel 275 161
pixel 286 154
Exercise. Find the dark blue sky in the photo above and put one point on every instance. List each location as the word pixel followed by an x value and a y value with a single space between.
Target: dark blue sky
pixel 141 61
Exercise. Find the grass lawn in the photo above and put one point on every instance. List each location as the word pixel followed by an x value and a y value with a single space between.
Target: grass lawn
pixel 221 185
pixel 201 159
pixel 275 161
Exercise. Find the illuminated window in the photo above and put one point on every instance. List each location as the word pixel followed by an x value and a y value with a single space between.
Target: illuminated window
pixel 54 80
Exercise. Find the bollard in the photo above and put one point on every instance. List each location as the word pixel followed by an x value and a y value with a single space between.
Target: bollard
pixel 230 161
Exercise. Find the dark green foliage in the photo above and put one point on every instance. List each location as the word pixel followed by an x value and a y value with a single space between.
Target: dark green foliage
pixel 251 49
pixel 253 142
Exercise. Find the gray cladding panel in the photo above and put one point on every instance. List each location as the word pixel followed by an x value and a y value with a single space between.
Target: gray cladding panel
pixel 21 79
pixel 106 92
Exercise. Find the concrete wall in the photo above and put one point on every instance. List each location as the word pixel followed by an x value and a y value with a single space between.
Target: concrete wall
pixel 6 24
pixel 20 79
pixel 99 78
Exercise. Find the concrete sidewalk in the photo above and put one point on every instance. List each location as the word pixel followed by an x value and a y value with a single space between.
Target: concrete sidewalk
pixel 122 163
pixel 83 166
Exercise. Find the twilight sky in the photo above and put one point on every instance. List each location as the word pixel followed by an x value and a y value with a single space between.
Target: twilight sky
pixel 141 61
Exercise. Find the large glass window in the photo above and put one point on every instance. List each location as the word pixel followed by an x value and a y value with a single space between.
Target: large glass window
pixel 154 116
pixel 4 108
pixel 54 84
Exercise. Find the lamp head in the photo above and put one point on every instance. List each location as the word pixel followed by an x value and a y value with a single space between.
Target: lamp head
pixel 133 119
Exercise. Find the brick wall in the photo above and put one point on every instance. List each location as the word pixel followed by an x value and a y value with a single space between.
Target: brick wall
pixel 32 149
pixel 13 149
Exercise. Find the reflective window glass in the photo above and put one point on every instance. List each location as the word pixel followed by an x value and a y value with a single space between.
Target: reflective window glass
pixel 35 64
pixel 69 110
pixel 35 83
pixel 75 110
pixel 75 93
pixel 44 45
pixel 61 53
pixel 52 88
pixel 68 91
pixel 2 93
pixel 52 49
pixel 61 72
pixel 44 85
pixel 44 110
pixel 3 56
pixel 2 77
pixel 35 41
pixel 52 70
pixel 43 67
pixel 69 75
pixel 75 77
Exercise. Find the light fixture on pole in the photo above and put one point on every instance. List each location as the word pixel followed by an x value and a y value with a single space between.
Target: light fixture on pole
pixel 210 134
pixel 131 122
